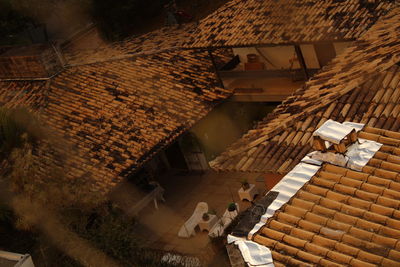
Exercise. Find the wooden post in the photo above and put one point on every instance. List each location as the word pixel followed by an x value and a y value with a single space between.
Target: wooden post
pixel 215 68
pixel 318 143
pixel 353 136
pixel 301 61
pixel 341 148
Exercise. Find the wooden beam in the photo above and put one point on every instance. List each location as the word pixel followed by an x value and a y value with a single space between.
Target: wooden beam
pixel 261 45
pixel 215 68
pixel 282 73
pixel 301 61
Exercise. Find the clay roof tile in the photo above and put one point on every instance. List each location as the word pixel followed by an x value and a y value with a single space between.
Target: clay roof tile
pixel 344 216
pixel 352 85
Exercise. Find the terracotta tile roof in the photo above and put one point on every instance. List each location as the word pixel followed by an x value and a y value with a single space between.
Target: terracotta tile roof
pixel 361 85
pixel 32 94
pixel 341 216
pixel 120 113
pixel 255 22
pixel 29 62
pixel 164 39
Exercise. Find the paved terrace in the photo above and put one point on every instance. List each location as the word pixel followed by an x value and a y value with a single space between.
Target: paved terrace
pixel 182 193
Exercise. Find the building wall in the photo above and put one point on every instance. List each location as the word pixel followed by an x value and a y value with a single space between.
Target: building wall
pixel 310 57
pixel 325 53
pixel 226 123
pixel 341 46
pixel 193 153
pixel 280 56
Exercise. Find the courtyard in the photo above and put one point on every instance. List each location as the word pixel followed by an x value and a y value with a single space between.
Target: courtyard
pixel 159 228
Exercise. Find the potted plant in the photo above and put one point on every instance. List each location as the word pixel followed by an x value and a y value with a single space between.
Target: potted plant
pixel 231 207
pixel 206 217
pixel 245 184
pixel 232 210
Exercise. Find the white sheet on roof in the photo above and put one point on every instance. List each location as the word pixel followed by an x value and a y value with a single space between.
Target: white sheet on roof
pixel 356 157
pixel 310 160
pixel 287 188
pixel 333 158
pixel 253 253
pixel 357 126
pixel 333 131
pixel 361 152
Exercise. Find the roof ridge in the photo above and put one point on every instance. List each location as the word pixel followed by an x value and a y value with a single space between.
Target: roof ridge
pixel 142 54
pixel 138 44
pixel 261 22
pixel 224 7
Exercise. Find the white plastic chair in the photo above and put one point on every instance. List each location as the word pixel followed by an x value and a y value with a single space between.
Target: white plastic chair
pixel 187 230
pixel 226 219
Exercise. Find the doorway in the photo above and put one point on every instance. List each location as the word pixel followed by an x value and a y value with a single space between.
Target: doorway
pixel 175 157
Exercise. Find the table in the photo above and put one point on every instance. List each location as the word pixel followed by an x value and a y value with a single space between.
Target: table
pixel 207 225
pixel 156 194
pixel 249 193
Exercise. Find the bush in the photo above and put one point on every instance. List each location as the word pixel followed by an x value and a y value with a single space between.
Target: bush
pixel 12 23
pixel 112 232
pixel 117 21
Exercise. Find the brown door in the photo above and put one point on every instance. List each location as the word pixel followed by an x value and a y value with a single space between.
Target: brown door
pixel 325 52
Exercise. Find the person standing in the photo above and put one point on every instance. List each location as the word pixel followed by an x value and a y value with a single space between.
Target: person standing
pixel 171 19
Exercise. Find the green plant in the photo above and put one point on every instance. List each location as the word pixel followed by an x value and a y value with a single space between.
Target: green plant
pixel 245 184
pixel 119 21
pixel 231 206
pixel 213 212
